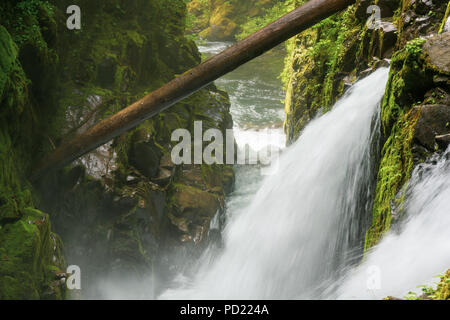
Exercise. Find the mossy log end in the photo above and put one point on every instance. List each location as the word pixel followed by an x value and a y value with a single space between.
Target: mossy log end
pixel 191 81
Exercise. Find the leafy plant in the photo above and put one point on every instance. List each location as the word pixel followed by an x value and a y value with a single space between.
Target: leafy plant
pixel 277 11
pixel 414 47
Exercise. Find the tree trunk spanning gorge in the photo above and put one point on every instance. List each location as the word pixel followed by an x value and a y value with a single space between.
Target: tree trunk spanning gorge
pixel 191 81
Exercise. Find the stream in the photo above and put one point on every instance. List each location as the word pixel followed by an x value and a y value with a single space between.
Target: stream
pixel 256 96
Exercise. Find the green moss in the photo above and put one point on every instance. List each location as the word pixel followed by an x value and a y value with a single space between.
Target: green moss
pixel 13 89
pixel 29 258
pixel 414 47
pixel 29 253
pixel 13 83
pixel 409 79
pixel 444 20
pixel 121 53
pixel 394 172
pixel 8 55
pixel 23 21
pixel 317 59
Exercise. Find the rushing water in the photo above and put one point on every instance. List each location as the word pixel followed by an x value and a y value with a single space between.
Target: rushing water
pixel 254 88
pixel 417 252
pixel 256 96
pixel 304 223
pixel 298 233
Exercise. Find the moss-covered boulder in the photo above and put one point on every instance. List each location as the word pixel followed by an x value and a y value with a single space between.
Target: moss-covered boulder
pixel 221 27
pixel 192 212
pixel 31 259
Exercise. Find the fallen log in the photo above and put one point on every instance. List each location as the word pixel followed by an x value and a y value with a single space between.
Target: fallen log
pixel 191 81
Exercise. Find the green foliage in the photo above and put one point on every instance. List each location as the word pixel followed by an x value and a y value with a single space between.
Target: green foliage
pixel 22 21
pixel 14 113
pixel 316 58
pixel 124 50
pixel 34 98
pixel 196 23
pixel 439 291
pixel 26 251
pixel 414 47
pixel 253 24
pixel 409 80
pixel 29 258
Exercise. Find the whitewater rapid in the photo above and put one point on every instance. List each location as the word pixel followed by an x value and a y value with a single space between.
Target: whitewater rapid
pixel 305 223
pixel 416 253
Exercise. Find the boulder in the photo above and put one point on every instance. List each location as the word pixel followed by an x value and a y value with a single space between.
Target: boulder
pixel 31 261
pixel 437 49
pixel 433 121
pixel 145 156
pixel 192 212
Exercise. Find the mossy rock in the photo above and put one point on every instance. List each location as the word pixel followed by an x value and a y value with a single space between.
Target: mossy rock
pixel 30 255
pixel 405 123
pixel 124 51
pixel 191 213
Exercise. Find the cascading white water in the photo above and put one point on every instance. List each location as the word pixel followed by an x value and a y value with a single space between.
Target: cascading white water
pixel 417 252
pixel 302 224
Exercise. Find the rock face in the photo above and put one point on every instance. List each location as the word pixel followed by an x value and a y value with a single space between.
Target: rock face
pixel 433 121
pixel 119 208
pixel 329 57
pixel 32 265
pixel 31 258
pixel 438 51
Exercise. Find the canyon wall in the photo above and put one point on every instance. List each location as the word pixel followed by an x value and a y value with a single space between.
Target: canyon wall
pixel 117 209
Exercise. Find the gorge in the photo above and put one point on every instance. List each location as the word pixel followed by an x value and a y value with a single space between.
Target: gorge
pixel 356 207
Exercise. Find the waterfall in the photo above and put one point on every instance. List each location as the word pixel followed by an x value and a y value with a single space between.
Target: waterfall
pixel 305 222
pixel 419 249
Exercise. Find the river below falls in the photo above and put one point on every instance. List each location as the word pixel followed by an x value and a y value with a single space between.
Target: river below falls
pixel 256 95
